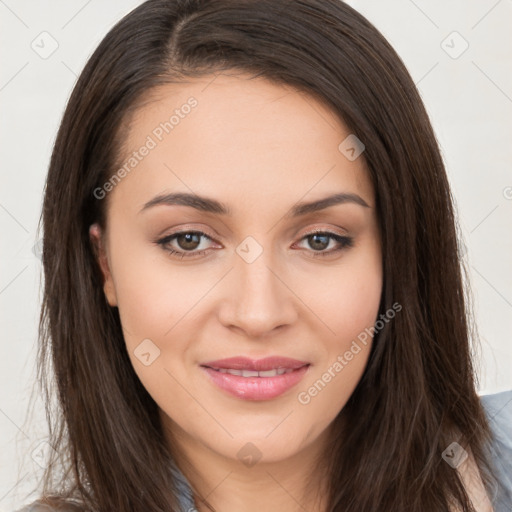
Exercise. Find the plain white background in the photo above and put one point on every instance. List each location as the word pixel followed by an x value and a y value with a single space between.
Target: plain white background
pixel 458 53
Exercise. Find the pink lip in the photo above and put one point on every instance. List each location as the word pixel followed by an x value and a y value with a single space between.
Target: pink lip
pixel 256 388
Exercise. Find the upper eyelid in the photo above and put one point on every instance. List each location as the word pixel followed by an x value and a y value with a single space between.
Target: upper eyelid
pixel 191 226
pixel 212 237
pixel 185 231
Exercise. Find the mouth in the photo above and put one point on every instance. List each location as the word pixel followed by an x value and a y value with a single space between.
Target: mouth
pixel 258 365
pixel 262 379
pixel 252 373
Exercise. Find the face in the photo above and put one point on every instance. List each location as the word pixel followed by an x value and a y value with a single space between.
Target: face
pixel 239 267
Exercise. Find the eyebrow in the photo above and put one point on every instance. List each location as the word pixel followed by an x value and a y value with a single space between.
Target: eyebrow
pixel 209 205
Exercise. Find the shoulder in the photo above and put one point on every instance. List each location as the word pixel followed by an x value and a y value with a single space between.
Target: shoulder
pixel 498 409
pixel 39 506
pixel 36 507
pixel 472 480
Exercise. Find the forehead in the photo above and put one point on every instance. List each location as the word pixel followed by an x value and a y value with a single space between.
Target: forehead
pixel 233 135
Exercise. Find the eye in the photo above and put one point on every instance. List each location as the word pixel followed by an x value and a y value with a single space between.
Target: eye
pixel 188 242
pixel 320 240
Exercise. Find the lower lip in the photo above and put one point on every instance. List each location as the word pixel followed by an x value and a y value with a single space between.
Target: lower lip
pixel 256 388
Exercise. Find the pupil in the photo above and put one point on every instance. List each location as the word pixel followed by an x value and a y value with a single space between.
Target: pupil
pixel 188 239
pixel 324 241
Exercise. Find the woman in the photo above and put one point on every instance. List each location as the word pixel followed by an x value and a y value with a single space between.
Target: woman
pixel 253 295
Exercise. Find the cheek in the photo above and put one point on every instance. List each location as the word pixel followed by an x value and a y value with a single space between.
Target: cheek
pixel 350 310
pixel 333 380
pixel 346 298
pixel 153 293
pixel 320 400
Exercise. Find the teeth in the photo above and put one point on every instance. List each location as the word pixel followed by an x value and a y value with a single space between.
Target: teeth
pixel 273 373
pixel 253 373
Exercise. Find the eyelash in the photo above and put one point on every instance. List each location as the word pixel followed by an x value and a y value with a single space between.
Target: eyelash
pixel 344 241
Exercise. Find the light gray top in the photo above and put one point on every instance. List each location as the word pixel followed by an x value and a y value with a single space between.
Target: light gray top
pixel 499 413
pixel 498 408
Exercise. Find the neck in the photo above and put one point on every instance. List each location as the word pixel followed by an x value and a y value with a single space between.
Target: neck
pixel 232 485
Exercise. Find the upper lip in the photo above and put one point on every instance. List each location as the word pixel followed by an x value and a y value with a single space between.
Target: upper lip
pixel 245 363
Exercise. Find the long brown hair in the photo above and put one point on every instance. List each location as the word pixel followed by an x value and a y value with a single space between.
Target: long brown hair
pixel 419 385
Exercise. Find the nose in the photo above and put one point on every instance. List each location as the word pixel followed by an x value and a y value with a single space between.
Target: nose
pixel 258 298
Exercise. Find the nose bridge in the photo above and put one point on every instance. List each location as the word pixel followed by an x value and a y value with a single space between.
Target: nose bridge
pixel 259 299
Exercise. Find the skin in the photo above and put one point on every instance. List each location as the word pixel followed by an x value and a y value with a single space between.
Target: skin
pixel 259 148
